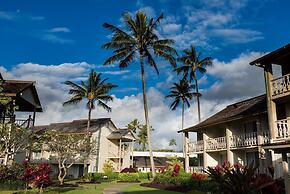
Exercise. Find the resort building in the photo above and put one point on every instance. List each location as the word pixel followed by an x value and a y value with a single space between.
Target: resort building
pixel 255 130
pixel 112 144
pixel 141 160
pixel 21 109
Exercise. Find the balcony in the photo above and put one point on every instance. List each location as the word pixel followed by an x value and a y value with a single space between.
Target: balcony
pixel 282 129
pixel 280 86
pixel 218 143
pixel 245 140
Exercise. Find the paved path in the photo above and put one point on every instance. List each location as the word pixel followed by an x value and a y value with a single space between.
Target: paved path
pixel 116 188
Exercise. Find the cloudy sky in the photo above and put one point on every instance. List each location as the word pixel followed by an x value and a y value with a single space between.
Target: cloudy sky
pixel 51 41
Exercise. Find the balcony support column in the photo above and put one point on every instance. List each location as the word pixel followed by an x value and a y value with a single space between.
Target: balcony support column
pixel 186 154
pixel 230 155
pixel 286 173
pixel 271 105
pixel 205 155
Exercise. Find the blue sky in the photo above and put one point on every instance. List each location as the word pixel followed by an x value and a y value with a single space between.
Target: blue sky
pixel 51 41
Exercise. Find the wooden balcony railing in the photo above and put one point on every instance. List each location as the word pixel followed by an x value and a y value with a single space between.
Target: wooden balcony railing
pixel 196 146
pixel 244 140
pixel 218 143
pixel 280 86
pixel 236 141
pixel 283 128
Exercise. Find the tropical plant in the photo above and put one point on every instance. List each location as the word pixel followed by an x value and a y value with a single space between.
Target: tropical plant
pixel 181 93
pixel 133 126
pixel 238 179
pixel 108 166
pixel 67 149
pixel 172 162
pixel 94 90
pixel 191 65
pixel 142 137
pixel 172 142
pixel 140 39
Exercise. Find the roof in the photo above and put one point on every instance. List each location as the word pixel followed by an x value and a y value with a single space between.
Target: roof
pixel 76 126
pixel 15 88
pixel 250 107
pixel 279 57
pixel 144 161
pixel 158 154
pixel 123 134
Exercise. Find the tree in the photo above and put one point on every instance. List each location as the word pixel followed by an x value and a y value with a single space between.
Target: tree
pixel 192 63
pixel 181 92
pixel 13 139
pixel 139 39
pixel 67 148
pixel 94 90
pixel 172 142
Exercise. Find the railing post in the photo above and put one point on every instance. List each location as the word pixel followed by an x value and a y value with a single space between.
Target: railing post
pixel 230 156
pixel 205 162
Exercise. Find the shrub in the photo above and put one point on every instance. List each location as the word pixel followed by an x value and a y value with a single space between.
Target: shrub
pixel 129 177
pixel 108 166
pixel 239 179
pixel 144 175
pixel 128 170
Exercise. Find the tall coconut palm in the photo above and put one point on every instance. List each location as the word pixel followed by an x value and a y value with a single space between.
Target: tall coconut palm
pixel 94 90
pixel 181 93
pixel 191 64
pixel 139 40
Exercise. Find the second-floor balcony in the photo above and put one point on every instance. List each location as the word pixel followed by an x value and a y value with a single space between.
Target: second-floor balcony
pixel 245 140
pixel 282 129
pixel 280 86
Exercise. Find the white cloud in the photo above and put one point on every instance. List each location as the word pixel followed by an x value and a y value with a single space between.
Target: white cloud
pixel 237 35
pixel 236 80
pixel 120 72
pixel 60 29
pixel 56 39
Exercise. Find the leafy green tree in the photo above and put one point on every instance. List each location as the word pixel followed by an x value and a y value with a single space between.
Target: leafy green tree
pixel 94 90
pixel 67 149
pixel 139 39
pixel 192 64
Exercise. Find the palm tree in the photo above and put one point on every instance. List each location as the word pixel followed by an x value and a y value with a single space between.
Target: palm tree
pixel 94 90
pixel 172 142
pixel 139 40
pixel 181 92
pixel 192 63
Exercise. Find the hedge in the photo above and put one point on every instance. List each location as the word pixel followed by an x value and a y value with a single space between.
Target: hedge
pixel 129 177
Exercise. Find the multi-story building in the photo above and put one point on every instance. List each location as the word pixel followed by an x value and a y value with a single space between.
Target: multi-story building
pixel 112 144
pixel 254 130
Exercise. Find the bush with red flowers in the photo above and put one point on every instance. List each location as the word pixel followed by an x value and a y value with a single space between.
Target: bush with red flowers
pixel 38 176
pixel 198 176
pixel 176 170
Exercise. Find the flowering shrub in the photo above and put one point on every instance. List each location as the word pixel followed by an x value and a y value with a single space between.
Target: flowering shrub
pixel 198 176
pixel 38 176
pixel 241 179
pixel 176 170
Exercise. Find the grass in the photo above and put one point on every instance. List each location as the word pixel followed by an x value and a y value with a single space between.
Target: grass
pixel 82 189
pixel 145 190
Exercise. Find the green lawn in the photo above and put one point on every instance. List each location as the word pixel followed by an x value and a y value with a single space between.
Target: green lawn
pixel 82 189
pixel 137 189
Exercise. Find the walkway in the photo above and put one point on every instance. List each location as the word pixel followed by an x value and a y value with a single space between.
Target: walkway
pixel 116 188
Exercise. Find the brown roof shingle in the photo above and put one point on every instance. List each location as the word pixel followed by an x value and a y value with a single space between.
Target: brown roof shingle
pixel 239 110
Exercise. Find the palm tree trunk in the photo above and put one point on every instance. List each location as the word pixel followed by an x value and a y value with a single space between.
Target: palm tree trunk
pixel 197 99
pixel 89 116
pixel 147 117
pixel 182 127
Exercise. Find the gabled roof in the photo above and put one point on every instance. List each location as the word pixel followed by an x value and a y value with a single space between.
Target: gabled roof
pixel 279 57
pixel 15 88
pixel 76 126
pixel 123 134
pixel 236 111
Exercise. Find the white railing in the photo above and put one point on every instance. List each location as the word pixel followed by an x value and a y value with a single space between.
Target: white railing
pixel 244 140
pixel 283 128
pixel 281 85
pixel 266 137
pixel 196 146
pixel 216 143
